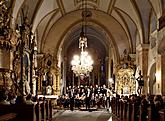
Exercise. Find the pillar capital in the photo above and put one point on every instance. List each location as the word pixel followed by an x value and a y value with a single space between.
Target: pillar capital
pixel 140 47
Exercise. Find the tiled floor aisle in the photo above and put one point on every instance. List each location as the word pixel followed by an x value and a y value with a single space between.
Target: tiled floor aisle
pixel 77 115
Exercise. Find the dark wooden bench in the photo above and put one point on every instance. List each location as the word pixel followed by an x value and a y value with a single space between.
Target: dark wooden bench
pixel 162 115
pixel 44 110
pixel 4 109
pixel 9 116
pixel 24 112
pixel 29 112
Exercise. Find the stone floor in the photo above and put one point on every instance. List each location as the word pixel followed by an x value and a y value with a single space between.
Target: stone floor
pixel 76 115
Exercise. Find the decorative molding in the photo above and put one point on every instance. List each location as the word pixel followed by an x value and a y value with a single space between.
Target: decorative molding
pixel 142 46
pixel 110 7
pixel 61 6
pixel 152 42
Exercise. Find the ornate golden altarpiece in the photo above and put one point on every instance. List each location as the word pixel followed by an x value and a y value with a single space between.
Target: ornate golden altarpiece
pixel 21 71
pixel 125 83
pixel 48 75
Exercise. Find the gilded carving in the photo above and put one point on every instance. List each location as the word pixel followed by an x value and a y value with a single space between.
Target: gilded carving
pixel 4 20
pixel 125 79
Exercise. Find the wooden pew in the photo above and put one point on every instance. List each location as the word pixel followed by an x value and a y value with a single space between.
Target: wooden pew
pixel 8 116
pixel 38 112
pixel 129 111
pixel 162 115
pixel 153 114
pixel 121 109
pixel 47 109
pixel 113 105
pixel 50 109
pixel 136 111
pixel 118 108
pixel 25 112
pixel 4 109
pixel 43 111
pixel 116 105
pixel 125 109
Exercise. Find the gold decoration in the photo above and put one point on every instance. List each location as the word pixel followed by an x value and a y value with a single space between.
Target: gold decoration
pixel 125 80
pixel 4 20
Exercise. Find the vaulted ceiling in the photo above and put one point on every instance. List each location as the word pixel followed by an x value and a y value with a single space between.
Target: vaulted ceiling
pixel 115 24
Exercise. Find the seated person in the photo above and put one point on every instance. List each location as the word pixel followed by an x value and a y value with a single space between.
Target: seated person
pixel 3 99
pixel 29 99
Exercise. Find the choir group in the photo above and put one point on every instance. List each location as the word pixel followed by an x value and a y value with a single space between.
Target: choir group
pixel 85 97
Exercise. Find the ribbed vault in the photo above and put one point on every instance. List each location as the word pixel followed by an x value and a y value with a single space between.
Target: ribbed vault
pixel 116 24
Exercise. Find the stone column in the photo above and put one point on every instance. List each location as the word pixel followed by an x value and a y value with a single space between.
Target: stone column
pixel 145 69
pixel 107 66
pixel 72 79
pixel 64 75
pixel 93 78
pixel 160 74
pixel 78 81
pixel 143 63
pixel 98 75
pixel 90 79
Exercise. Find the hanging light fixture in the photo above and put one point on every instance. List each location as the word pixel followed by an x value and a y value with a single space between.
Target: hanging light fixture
pixel 82 64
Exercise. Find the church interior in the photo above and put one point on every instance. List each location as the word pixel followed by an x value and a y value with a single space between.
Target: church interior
pixel 53 48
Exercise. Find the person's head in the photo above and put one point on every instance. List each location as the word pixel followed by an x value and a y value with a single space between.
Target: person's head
pixel 35 99
pixel 104 86
pixel 2 95
pixel 28 97
pixel 40 98
pixel 20 100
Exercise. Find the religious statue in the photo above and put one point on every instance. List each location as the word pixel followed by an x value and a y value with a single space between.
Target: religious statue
pixel 140 82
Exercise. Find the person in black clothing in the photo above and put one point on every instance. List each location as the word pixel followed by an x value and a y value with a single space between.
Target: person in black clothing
pixel 71 103
pixel 88 98
pixel 71 96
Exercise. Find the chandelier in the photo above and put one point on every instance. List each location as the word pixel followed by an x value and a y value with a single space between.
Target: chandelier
pixel 82 64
